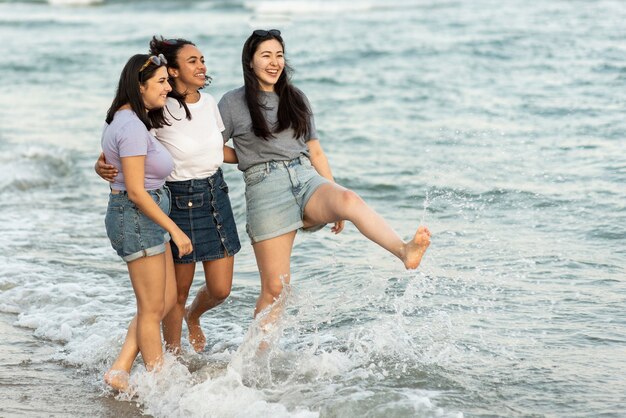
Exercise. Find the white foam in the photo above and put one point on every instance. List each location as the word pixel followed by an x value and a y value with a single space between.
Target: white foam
pixel 74 2
pixel 306 7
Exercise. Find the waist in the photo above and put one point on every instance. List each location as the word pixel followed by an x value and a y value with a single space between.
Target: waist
pixel 272 165
pixel 156 192
pixel 202 182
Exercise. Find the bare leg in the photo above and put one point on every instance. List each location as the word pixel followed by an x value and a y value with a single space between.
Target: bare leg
pixel 147 275
pixel 273 258
pixel 117 376
pixel 331 203
pixel 218 276
pixel 173 322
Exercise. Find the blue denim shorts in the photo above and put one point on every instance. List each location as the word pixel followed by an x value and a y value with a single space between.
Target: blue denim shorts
pixel 276 195
pixel 132 234
pixel 201 209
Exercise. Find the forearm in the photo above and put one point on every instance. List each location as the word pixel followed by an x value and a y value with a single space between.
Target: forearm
pixel 230 156
pixel 144 202
pixel 320 163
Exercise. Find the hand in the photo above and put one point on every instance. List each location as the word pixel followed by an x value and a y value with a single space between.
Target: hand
pixel 337 228
pixel 183 243
pixel 107 171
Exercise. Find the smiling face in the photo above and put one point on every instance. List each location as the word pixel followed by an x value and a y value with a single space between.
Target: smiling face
pixel 154 90
pixel 268 63
pixel 191 72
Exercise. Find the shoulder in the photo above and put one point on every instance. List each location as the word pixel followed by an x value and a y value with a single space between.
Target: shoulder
pixel 208 100
pixel 128 122
pixel 233 95
pixel 172 104
pixel 300 93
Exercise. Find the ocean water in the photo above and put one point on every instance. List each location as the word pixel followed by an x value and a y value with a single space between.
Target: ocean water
pixel 499 124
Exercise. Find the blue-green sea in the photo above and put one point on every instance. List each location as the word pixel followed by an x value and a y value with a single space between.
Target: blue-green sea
pixel 498 124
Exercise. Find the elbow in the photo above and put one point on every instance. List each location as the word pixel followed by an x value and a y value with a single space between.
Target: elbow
pixel 317 157
pixel 133 195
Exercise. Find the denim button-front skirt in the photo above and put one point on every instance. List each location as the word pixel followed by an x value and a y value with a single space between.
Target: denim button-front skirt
pixel 201 209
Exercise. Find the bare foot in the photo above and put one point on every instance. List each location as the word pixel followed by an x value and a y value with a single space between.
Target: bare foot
pixel 415 249
pixel 196 336
pixel 117 379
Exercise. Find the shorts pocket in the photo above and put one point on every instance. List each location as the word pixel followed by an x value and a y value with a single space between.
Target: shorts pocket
pixel 254 178
pixel 190 201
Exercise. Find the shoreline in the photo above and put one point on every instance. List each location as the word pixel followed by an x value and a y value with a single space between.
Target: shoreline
pixel 33 385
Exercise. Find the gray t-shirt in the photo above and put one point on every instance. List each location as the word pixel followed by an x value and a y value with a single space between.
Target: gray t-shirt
pixel 250 148
pixel 127 136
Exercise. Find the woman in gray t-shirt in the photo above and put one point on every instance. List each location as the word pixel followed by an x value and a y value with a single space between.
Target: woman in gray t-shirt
pixel 289 184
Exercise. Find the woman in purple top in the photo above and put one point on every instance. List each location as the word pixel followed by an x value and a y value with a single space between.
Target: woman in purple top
pixel 136 221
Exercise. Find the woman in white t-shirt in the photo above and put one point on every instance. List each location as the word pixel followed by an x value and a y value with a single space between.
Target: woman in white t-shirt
pixel 200 204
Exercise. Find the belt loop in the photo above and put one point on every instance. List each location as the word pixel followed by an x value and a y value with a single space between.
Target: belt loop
pixel 267 167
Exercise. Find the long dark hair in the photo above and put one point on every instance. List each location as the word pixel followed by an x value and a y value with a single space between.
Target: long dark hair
pixel 170 49
pixel 293 111
pixel 128 92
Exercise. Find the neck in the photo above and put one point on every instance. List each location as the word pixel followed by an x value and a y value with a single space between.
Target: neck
pixel 191 96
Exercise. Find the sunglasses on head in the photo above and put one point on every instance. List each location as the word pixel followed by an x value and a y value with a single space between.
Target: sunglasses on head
pixel 264 33
pixel 157 60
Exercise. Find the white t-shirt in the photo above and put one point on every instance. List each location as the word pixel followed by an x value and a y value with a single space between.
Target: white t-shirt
pixel 196 145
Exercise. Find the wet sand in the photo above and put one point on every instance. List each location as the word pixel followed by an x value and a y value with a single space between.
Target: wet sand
pixel 32 385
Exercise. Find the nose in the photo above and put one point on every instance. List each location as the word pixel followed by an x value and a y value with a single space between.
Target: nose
pixel 168 86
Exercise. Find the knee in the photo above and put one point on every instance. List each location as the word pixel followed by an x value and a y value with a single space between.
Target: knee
pixel 220 293
pixel 350 199
pixel 151 312
pixel 273 290
pixel 181 296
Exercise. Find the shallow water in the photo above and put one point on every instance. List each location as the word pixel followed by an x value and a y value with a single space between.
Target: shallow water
pixel 499 125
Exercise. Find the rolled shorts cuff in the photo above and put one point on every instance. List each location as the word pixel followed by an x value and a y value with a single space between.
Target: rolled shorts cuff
pixel 277 233
pixel 148 252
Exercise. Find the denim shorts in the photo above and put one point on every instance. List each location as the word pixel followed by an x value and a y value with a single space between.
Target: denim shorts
pixel 276 195
pixel 201 209
pixel 132 234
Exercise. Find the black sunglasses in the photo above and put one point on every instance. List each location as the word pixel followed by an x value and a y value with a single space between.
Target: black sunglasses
pixel 264 33
pixel 157 60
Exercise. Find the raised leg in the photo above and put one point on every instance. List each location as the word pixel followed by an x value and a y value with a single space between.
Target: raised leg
pixel 331 203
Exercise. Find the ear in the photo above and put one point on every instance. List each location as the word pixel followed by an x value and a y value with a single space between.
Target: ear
pixel 142 89
pixel 172 72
